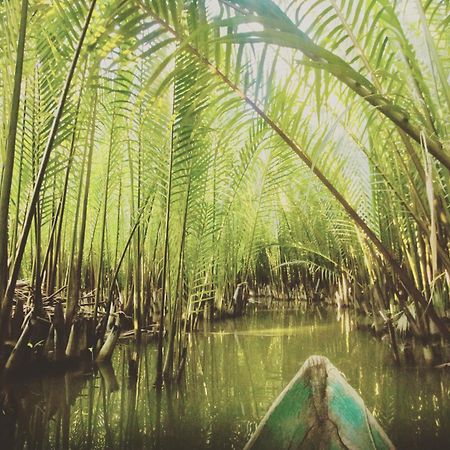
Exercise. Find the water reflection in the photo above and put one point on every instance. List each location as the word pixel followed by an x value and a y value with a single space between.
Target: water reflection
pixel 234 372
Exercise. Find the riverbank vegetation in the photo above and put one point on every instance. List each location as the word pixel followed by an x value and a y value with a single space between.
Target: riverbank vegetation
pixel 162 158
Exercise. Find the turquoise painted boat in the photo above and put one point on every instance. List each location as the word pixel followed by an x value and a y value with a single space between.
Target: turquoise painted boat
pixel 318 409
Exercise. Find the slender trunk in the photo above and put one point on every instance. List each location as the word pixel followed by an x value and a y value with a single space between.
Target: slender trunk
pixel 50 261
pixel 177 309
pixel 6 179
pixel 116 272
pixel 18 355
pixel 159 363
pixel 136 249
pixel 75 272
pixel 19 181
pixel 37 261
pixel 101 265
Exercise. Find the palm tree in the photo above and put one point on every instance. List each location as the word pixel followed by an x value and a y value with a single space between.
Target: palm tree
pixel 167 150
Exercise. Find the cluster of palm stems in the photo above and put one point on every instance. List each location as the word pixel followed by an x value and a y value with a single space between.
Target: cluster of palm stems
pixel 155 153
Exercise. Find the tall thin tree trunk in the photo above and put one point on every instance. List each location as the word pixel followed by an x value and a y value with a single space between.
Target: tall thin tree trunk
pixel 77 261
pixel 51 260
pixel 159 362
pixel 8 167
pixel 177 306
pixel 101 265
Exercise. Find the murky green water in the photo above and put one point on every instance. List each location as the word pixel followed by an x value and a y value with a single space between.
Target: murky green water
pixel 235 370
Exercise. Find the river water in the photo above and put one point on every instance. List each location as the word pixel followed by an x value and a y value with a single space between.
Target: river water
pixel 234 372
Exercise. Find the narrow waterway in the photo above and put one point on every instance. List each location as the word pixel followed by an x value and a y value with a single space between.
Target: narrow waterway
pixel 234 372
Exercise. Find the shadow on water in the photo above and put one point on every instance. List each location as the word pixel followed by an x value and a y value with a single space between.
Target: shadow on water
pixel 234 372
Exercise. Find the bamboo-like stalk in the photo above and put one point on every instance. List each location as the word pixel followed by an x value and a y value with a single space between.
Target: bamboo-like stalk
pixel 177 306
pixel 110 296
pixel 9 292
pixel 159 362
pixel 100 269
pixel 108 347
pixel 8 165
pixel 77 260
pixel 51 260
pixel 137 250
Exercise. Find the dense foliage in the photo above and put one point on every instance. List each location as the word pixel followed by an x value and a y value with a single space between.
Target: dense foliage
pixel 167 150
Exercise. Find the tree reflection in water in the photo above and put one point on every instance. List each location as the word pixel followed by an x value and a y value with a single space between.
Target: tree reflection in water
pixel 234 372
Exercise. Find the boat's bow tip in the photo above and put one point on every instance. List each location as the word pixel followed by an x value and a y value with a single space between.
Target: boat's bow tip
pixel 316 360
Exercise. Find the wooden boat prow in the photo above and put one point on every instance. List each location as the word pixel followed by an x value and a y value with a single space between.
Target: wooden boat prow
pixel 318 409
